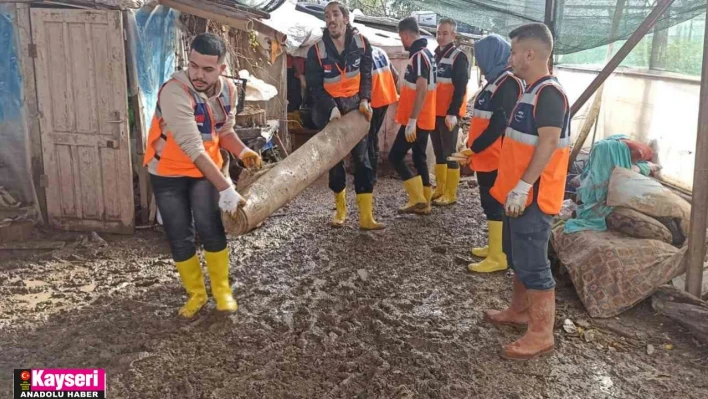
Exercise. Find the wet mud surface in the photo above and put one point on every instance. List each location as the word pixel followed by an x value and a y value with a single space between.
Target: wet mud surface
pixel 323 313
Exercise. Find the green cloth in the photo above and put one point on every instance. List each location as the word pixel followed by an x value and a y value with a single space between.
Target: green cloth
pixel 604 157
pixel 644 168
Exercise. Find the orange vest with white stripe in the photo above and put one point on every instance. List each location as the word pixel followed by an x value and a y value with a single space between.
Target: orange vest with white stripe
pixel 383 85
pixel 172 161
pixel 519 145
pixel 445 88
pixel 487 160
pixel 338 82
pixel 426 119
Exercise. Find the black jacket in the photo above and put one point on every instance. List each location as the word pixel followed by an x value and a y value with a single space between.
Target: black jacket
pixel 460 77
pixel 314 74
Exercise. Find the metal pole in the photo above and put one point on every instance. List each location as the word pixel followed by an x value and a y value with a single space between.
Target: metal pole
pixel 642 30
pixel 550 20
pixel 699 209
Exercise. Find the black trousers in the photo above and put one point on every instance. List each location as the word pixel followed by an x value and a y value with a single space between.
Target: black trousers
pixel 420 160
pixel 444 142
pixel 376 122
pixel 181 200
pixel 363 171
pixel 493 210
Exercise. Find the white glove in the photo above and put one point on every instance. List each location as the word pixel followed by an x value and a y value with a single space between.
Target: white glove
pixel 335 114
pixel 230 200
pixel 516 200
pixel 450 122
pixel 411 130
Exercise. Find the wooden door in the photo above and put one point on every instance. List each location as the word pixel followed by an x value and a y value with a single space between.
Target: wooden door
pixel 83 108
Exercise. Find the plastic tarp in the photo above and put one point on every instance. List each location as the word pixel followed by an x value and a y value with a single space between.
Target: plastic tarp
pixel 15 169
pixel 154 38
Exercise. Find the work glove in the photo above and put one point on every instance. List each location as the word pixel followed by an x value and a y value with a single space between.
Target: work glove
pixel 411 130
pixel 230 200
pixel 516 200
pixel 463 157
pixel 450 122
pixel 335 114
pixel 250 158
pixel 365 108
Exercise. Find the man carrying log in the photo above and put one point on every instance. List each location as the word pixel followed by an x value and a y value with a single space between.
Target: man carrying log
pixel 194 119
pixel 531 185
pixel 416 114
pixel 338 73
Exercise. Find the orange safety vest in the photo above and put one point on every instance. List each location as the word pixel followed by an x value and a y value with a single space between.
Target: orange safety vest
pixel 426 119
pixel 520 141
pixel 445 87
pixel 172 161
pixel 338 82
pixel 383 85
pixel 487 160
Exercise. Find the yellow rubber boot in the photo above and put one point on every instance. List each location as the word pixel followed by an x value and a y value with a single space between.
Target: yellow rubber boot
pixel 416 198
pixel 190 271
pixel 450 195
pixel 218 267
pixel 366 213
pixel 481 252
pixel 340 199
pixel 428 194
pixel 496 261
pixel 440 179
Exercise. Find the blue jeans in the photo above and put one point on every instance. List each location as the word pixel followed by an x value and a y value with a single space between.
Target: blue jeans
pixel 181 200
pixel 525 243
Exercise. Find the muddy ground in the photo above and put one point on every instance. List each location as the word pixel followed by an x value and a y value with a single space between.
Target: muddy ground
pixel 323 314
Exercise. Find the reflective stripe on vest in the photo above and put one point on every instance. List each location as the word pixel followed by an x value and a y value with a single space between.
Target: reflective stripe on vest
pixel 487 160
pixel 338 82
pixel 383 85
pixel 445 88
pixel 426 119
pixel 172 161
pixel 519 145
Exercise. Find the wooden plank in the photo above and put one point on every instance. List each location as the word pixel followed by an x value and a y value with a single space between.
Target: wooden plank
pixel 699 209
pixel 33 245
pixel 637 36
pixel 24 30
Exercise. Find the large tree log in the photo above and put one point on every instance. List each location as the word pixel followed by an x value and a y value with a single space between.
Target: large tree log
pixel 288 178
pixel 684 308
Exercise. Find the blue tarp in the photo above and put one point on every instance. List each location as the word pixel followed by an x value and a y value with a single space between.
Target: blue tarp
pixel 15 171
pixel 155 33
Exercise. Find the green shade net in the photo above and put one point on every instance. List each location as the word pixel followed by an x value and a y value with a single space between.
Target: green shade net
pixel 580 24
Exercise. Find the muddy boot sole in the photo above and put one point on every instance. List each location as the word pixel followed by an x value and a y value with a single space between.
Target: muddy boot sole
pixel 547 352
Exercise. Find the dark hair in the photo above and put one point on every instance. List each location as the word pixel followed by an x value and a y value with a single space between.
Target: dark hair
pixel 409 25
pixel 209 44
pixel 342 8
pixel 535 31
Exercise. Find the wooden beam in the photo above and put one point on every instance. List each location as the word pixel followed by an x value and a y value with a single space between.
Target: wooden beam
pixel 642 30
pixel 239 20
pixel 699 209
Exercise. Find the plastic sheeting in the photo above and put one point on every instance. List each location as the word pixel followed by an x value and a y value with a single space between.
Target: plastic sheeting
pixel 154 38
pixel 15 169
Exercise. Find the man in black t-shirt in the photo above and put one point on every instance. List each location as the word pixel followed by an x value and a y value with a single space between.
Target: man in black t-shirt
pixel 531 185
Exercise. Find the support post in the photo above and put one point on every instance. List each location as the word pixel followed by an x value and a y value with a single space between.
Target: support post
pixel 699 209
pixel 550 20
pixel 648 23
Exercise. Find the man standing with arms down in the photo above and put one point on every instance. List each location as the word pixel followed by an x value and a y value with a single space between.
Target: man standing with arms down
pixel 338 72
pixel 194 119
pixel 451 103
pixel 416 115
pixel 531 185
